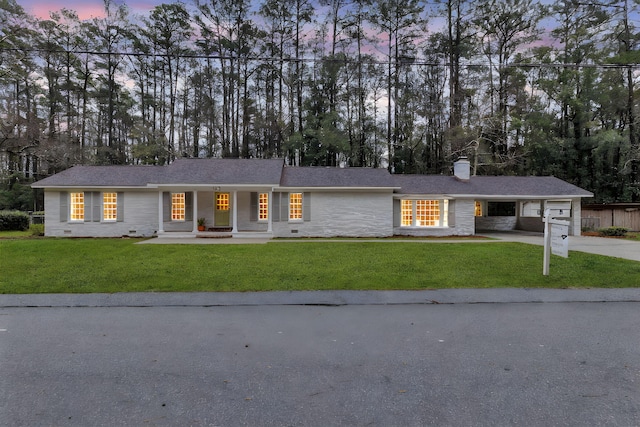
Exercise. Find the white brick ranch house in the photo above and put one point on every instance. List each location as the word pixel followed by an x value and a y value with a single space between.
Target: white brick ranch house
pixel 257 197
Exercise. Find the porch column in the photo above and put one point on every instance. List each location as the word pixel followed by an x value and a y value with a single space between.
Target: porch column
pixel 234 211
pixel 160 213
pixel 269 221
pixel 195 211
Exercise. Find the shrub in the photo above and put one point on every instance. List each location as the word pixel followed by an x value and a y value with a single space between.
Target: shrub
pixel 613 231
pixel 13 220
pixel 37 229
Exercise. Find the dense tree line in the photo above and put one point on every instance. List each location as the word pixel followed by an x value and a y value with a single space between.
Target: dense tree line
pixel 517 86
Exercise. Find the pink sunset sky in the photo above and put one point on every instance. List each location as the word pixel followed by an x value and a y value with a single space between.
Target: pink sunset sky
pixel 85 8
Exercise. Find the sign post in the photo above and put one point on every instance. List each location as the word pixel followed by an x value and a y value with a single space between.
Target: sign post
pixel 556 239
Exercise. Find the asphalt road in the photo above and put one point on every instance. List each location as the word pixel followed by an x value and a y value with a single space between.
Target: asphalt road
pixel 532 364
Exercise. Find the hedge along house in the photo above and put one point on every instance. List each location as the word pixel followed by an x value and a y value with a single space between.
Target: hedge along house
pixel 255 197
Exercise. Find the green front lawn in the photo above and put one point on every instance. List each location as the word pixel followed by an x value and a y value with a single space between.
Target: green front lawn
pixel 120 265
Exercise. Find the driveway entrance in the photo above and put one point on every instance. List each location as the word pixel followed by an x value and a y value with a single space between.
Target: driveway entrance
pixel 618 248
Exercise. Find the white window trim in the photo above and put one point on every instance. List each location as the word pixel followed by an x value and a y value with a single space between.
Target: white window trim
pixel 72 204
pixel 110 220
pixel 267 207
pixel 301 219
pixel 444 215
pixel 184 214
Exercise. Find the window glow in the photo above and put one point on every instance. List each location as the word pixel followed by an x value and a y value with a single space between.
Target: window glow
pixel 222 201
pixel 263 206
pixel 406 212
pixel 424 213
pixel 109 206
pixel 295 206
pixel 478 211
pixel 77 206
pixel 177 206
pixel 427 213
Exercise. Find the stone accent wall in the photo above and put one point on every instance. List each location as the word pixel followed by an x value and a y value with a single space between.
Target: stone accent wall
pixel 531 223
pixel 140 218
pixel 347 214
pixel 496 223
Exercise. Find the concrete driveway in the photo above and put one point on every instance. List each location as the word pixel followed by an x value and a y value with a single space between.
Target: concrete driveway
pixel 618 248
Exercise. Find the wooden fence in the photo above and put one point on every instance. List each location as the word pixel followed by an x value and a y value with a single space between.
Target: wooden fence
pixel 625 215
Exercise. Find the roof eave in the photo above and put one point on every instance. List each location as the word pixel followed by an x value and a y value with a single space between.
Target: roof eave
pixel 519 196
pixel 328 188
pixel 88 187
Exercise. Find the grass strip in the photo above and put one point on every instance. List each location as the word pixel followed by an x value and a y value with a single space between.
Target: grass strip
pixel 119 265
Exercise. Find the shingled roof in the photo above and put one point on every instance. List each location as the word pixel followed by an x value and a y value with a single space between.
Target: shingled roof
pixel 102 176
pixel 224 171
pixel 517 186
pixel 315 177
pixel 272 172
pixel 182 171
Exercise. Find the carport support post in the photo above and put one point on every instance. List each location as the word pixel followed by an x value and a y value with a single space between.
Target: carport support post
pixel 547 243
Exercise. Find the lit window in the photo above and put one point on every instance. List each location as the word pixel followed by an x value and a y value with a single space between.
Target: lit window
pixel 177 206
pixel 427 213
pixel 478 211
pixel 109 206
pixel 222 201
pixel 263 206
pixel 77 206
pixel 295 206
pixel 407 213
pixel 424 213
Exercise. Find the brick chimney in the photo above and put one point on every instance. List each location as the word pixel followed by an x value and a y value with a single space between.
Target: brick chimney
pixel 462 169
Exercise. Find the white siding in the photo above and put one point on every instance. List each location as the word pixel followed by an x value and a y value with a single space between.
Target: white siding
pixel 205 207
pixel 140 218
pixel 347 214
pixel 465 217
pixel 244 214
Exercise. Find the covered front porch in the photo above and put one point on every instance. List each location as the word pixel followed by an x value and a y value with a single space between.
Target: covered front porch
pixel 214 212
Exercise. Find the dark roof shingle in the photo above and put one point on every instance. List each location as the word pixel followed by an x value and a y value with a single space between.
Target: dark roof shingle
pixel 223 171
pixel 182 171
pixel 529 186
pixel 312 176
pixel 102 176
pixel 273 172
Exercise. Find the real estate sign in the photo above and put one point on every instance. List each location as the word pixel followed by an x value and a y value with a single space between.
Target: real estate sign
pixel 560 240
pixel 556 239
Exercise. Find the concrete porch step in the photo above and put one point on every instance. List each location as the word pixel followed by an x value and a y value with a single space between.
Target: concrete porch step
pixel 214 235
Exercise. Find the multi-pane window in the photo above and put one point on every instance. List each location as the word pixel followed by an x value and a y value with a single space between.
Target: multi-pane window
pixel 263 206
pixel 424 213
pixel 222 201
pixel 427 213
pixel 109 206
pixel 77 206
pixel 406 212
pixel 295 206
pixel 177 206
